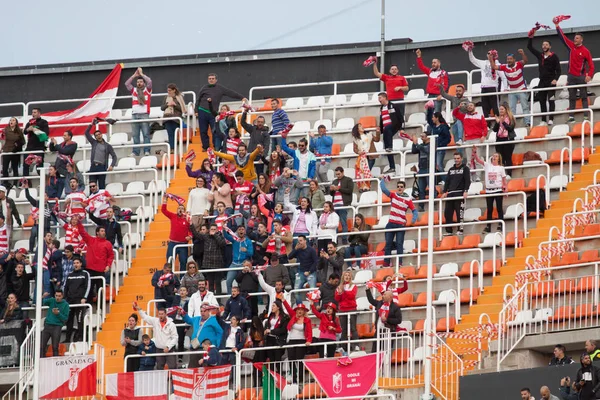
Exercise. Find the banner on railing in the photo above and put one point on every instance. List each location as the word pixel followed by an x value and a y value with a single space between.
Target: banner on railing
pixel 146 385
pixel 201 383
pixel 345 377
pixel 12 333
pixel 70 376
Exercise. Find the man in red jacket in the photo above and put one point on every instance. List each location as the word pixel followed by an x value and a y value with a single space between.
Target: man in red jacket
pixel 435 76
pixel 475 131
pixel 99 256
pixel 580 60
pixel 180 233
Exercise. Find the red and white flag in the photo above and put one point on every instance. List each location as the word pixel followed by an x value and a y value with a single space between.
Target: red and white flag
pixel 141 385
pixel 100 103
pixel 201 383
pixel 71 376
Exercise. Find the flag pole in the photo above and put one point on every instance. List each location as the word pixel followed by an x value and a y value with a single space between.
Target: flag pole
pixel 39 284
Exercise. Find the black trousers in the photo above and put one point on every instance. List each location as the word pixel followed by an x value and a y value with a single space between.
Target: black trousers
pixel 452 208
pixel 490 207
pixel 505 149
pixel 133 364
pixel 489 103
pixel 296 355
pixel 547 96
pixel 330 348
pixel 13 162
pixel 95 284
pixel 214 281
pixel 76 314
pixel 51 332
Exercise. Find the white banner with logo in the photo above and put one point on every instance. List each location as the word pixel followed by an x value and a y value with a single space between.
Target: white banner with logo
pixel 69 376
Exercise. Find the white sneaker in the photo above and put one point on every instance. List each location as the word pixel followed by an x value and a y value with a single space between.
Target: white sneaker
pixel 459 143
pixel 543 123
pixel 147 153
pixel 550 122
pixel 132 154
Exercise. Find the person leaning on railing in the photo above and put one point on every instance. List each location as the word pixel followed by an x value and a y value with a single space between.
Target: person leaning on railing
pixel 14 140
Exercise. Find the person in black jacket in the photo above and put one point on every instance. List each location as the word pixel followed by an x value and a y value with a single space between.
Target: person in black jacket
pixel 259 133
pixel 330 263
pixel 237 305
pixel 588 376
pixel 391 120
pixel 48 215
pixel 35 142
pixel 549 69
pixel 112 228
pixel 276 331
pixel 560 358
pixel 388 312
pixel 77 290
pixel 258 237
pixel 67 148
pixel 456 186
pixel 328 289
pixel 248 283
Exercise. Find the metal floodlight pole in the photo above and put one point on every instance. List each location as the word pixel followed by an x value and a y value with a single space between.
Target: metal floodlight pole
pixel 382 50
pixel 429 329
pixel 39 284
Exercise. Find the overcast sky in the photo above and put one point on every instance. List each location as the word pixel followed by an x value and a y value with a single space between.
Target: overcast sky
pixel 36 32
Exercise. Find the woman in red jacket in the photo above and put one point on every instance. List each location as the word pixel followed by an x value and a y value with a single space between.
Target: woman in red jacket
pixel 328 328
pixel 345 295
pixel 300 332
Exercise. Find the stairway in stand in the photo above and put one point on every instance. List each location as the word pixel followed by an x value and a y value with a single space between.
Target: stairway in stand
pixel 150 256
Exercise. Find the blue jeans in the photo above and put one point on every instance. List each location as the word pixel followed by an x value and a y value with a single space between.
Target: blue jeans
pixel 343 214
pixel 457 131
pixel 523 98
pixel 99 179
pixel 181 252
pixel 171 127
pixel 142 128
pixel 355 252
pixel 437 104
pixel 389 242
pixel 301 279
pixel 204 121
pixel 423 182
pixel 231 274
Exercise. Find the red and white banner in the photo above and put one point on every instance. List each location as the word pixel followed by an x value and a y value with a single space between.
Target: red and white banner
pixel 345 377
pixel 100 103
pixel 201 383
pixel 141 385
pixel 71 376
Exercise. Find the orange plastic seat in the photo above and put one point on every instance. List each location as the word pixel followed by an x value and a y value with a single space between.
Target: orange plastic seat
pixel 247 394
pixel 422 299
pixel 311 391
pixel 565 286
pixel 448 243
pixel 516 185
pixel 422 273
pixel 424 219
pixel 382 273
pixel 465 295
pixel 408 272
pixel 400 356
pixel 544 289
pixel 405 299
pixel 531 185
pixel 590 230
pixel 386 199
pixel 62 348
pixel 419 326
pixel 597 127
pixel 336 148
pixel 510 238
pixel 267 105
pixel 29 223
pixel 517 158
pixel 484 215
pixel 569 258
pixel 555 157
pixel 260 394
pixel 470 242
pixel 578 128
pixel 488 266
pixel 446 325
pixel 423 247
pixel 465 270
pixel 585 310
pixel 589 255
pixel 170 161
pixel 365 330
pixel 368 122
pixel 452 89
pixel 537 132
pixel 380 246
pixel 579 154
pixel 586 284
pixel 562 313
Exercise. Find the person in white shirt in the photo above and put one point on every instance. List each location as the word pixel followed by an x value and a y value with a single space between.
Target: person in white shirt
pixel 200 297
pixel 198 204
pixel 164 334
pixel 274 291
pixel 495 182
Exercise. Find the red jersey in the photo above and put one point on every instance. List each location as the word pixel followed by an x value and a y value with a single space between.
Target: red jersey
pixel 391 82
pixel 77 204
pixel 514 75
pixel 399 206
pixel 180 226
pixel 580 57
pixel 434 78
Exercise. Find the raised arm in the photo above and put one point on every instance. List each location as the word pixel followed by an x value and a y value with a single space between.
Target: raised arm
pixel 376 71
pixel 420 64
pixel 534 51
pixel 384 189
pixel 475 61
pixel 524 58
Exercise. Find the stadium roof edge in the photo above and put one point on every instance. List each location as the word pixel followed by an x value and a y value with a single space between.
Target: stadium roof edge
pixel 266 54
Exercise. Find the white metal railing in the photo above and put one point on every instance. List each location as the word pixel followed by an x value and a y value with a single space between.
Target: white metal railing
pixel 27 359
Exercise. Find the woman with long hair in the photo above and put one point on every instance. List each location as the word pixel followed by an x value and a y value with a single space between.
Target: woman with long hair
pixel 73 172
pixel 304 219
pixel 276 332
pixel 345 295
pixel 362 144
pixel 173 106
pixel 359 242
pixel 233 339
pixel 316 195
pixel 328 225
pixel 11 311
pixel 131 338
pixel 276 165
pixel 253 218
pixel 495 182
pixel 264 186
pixel 328 328
pixel 300 332
pixel 198 203
pixel 437 126
pixel 206 171
pixel 14 140
pixel 505 134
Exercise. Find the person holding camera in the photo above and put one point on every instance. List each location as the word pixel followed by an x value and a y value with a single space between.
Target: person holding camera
pixel 568 390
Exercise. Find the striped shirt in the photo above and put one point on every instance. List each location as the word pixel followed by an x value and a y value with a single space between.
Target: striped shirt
pixel 73 237
pixel 514 76
pixel 4 239
pixel 136 107
pixel 232 145
pixel 76 206
pixel 385 117
pixel 399 207
pixel 279 121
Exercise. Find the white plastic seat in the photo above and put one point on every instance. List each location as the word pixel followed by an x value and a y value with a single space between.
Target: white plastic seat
pixel 362 303
pixel 21 244
pixel 491 240
pixel 522 317
pixel 595 105
pixel 534 82
pixel 514 210
pixel 119 138
pixel 315 101
pixel 156 112
pixel 76 348
pixel 472 214
pixel 537 108
pixel 115 188
pixel 520 133
pixel 359 98
pixel 408 246
pixel 62 242
pixel 12 193
pixel 348 149
pixel 397 145
pixel 159 186
pixel 379 147
pixel 128 114
pixel 542 315
pixel 294 102
pixel 32 191
pixel 414 94
pixel 329 197
pixel 558 182
pixel 83 165
pixel 160 137
pixel 376 172
pixel 81 141
pixel 301 127
pixel 126 163
pixel 383 221
pixel 337 99
pixel 491 137
pixel 445 297
pixel 561 105
pixel 134 187
pixel 350 173
pixel 448 269
pixel 596 78
pixel 363 276
pixel 476 88
pixel 417 119
pixel 368 198
pixel 559 130
pixel 134 239
pixel 417 355
pixel 326 122
pixel 344 124
pixel 116 113
pixel 406 325
pixel 475 188
pixel 562 81
pixel 147 162
pixel 143 213
pixel 543 155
